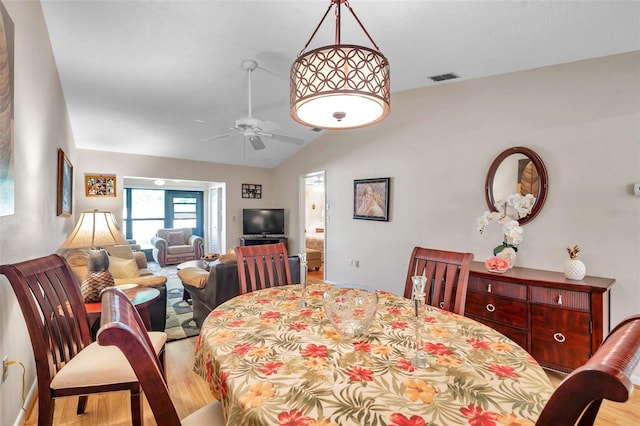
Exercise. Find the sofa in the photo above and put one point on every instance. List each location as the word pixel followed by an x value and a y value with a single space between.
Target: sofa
pixel 127 267
pixel 209 289
pixel 176 245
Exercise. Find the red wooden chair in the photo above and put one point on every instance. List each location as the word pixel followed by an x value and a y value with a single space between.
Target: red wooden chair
pixel 121 326
pixel 67 362
pixel 262 266
pixel 606 375
pixel 447 276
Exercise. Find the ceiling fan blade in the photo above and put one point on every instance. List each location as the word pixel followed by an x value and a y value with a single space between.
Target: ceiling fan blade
pixel 284 138
pixel 226 135
pixel 256 142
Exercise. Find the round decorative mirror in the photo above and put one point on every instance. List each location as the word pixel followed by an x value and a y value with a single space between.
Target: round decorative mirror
pixel 517 170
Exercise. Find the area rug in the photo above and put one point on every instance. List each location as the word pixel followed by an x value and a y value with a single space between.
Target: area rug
pixel 180 324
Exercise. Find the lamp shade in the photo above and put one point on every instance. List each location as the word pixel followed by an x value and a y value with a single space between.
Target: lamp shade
pixel 340 87
pixel 94 229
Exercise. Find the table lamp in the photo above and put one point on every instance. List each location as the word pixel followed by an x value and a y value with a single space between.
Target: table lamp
pixel 95 229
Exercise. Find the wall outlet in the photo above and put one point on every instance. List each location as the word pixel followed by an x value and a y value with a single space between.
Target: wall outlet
pixel 636 189
pixel 5 368
pixel 356 263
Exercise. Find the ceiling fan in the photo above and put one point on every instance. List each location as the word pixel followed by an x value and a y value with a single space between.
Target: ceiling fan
pixel 252 128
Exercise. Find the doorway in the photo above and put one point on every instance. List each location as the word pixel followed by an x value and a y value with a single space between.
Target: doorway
pixel 314 223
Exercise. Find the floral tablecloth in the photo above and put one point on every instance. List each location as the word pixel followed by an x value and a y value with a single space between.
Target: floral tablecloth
pixel 271 362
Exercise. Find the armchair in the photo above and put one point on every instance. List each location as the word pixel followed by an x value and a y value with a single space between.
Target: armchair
pixel 176 245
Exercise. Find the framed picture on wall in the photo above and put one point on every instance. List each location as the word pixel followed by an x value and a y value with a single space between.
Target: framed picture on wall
pixel 371 199
pixel 100 185
pixel 251 190
pixel 65 184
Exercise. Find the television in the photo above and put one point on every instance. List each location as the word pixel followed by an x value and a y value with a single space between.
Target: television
pixel 263 221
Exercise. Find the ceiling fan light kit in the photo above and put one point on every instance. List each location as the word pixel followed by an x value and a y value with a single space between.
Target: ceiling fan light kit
pixel 340 86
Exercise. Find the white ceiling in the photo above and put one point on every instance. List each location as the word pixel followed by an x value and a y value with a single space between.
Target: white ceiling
pixel 156 77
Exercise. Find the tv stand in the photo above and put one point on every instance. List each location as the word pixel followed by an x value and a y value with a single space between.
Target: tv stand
pixel 254 240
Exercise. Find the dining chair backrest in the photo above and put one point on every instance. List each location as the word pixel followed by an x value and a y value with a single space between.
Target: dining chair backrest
pixel 57 322
pixel 121 326
pixel 447 276
pixel 606 375
pixel 262 266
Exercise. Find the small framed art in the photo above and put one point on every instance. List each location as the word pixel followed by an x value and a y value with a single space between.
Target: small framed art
pixel 251 190
pixel 65 184
pixel 100 185
pixel 371 199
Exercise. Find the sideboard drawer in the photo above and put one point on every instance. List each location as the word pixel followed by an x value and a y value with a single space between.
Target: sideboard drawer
pixel 497 309
pixel 518 335
pixel 498 288
pixel 560 338
pixel 557 297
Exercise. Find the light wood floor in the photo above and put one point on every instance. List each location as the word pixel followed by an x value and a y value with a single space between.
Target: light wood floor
pixel 190 392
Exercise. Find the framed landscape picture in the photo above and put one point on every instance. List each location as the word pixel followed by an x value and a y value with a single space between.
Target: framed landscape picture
pixel 65 184
pixel 100 185
pixel 371 199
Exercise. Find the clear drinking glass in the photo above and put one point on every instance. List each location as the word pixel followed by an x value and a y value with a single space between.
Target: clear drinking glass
pixel 304 269
pixel 418 296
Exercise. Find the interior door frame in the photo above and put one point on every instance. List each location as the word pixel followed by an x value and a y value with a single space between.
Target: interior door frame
pixel 302 209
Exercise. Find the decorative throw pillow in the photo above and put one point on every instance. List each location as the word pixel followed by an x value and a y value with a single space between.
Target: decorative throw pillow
pixel 123 268
pixel 175 238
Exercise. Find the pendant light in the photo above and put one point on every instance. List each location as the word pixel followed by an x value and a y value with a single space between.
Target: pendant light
pixel 340 86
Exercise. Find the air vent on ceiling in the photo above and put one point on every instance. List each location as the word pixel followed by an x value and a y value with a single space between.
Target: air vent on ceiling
pixel 316 129
pixel 443 77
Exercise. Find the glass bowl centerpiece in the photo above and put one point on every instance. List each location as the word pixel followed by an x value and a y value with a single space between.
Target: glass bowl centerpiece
pixel 350 308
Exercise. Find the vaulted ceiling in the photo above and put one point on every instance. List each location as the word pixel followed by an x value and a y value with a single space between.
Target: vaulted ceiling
pixel 157 77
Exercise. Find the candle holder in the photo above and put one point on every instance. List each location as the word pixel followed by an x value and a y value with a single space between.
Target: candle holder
pixel 303 280
pixel 419 359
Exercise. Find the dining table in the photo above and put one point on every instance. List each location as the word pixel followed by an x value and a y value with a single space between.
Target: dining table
pixel 273 358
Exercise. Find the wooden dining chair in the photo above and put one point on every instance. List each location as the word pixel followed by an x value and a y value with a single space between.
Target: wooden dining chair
pixel 122 327
pixel 447 274
pixel 67 362
pixel 262 266
pixel 606 375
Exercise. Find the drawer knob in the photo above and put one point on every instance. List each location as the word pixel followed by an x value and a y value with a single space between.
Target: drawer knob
pixel 560 299
pixel 559 337
pixel 489 288
pixel 441 304
pixel 490 307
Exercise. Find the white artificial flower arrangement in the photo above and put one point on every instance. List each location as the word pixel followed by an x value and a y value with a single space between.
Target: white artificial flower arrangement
pixel 510 209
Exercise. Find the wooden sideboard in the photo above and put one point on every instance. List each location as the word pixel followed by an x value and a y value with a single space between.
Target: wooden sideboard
pixel 560 322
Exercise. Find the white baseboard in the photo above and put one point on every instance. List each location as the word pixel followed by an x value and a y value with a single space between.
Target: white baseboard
pixel 20 420
pixel 635 380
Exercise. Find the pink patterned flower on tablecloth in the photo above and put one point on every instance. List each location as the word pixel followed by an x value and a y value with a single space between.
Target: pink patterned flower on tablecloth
pixel 430 320
pixel 406 365
pixel 271 367
pixel 437 349
pixel 503 371
pixel 263 301
pixel 478 344
pixel 257 395
pixel 218 313
pixel 358 374
pixel 395 311
pixel 241 348
pixel 397 419
pixel 270 316
pixel 419 390
pixel 298 326
pixel 318 293
pixel 293 418
pixel 223 376
pixel 478 417
pixel 313 350
pixel 236 323
pixel 361 346
pixel 306 313
pixel 399 324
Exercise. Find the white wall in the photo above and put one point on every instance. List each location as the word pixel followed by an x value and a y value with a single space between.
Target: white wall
pixel 582 118
pixel 41 127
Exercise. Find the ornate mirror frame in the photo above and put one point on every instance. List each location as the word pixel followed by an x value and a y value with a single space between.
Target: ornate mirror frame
pixel 542 180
